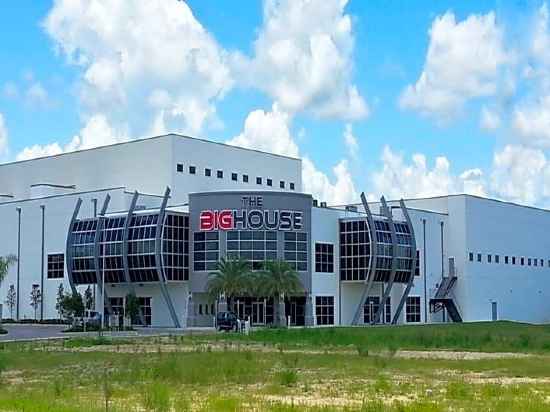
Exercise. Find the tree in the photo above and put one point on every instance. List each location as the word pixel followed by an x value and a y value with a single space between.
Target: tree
pixel 11 299
pixel 72 305
pixel 35 298
pixel 5 263
pixel 131 307
pixel 59 300
pixel 277 280
pixel 88 298
pixel 232 278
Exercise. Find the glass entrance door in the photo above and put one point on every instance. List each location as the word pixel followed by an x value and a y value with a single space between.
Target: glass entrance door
pixel 258 312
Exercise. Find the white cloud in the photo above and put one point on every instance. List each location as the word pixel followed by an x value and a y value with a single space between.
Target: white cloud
pixel 464 61
pixel 521 174
pixel 337 192
pixel 303 59
pixel 3 136
pixel 531 121
pixel 145 65
pixel 267 131
pixel 37 96
pixel 351 142
pixel 397 178
pixel 490 119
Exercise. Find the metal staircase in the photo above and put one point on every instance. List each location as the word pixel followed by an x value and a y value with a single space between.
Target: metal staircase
pixel 443 299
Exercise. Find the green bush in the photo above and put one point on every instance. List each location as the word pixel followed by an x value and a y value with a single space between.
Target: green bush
pixel 156 397
pixel 287 377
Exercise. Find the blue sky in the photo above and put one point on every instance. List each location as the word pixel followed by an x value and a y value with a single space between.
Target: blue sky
pixel 59 61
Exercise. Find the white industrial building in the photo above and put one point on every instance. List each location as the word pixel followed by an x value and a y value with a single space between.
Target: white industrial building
pixel 153 217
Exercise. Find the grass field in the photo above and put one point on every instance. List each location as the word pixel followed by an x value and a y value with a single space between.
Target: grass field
pixel 506 368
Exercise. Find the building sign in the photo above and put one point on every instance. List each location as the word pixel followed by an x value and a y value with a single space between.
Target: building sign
pixel 252 216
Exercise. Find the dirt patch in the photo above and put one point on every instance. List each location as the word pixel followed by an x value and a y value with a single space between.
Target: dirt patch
pixel 457 355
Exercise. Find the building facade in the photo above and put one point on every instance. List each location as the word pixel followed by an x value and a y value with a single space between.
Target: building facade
pixel 153 217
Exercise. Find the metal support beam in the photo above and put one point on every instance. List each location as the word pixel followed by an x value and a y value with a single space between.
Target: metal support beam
pixel 125 262
pixel 97 236
pixel 413 263
pixel 158 259
pixel 391 279
pixel 369 278
pixel 69 245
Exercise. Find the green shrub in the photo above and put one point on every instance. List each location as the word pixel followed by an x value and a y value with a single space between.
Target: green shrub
pixel 156 397
pixel 287 377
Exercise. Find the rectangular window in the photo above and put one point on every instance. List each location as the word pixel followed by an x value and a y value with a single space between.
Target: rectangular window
pixel 324 309
pixel 258 180
pixel 208 172
pixel 417 268
pixel 479 257
pixel 471 257
pixel 256 246
pixel 282 184
pixel 488 258
pixel 269 182
pixel 192 170
pixel 295 250
pixel 56 264
pixel 387 310
pixel 292 186
pixel 179 167
pixel 220 174
pixel 535 261
pixel 234 176
pixel 497 259
pixel 413 309
pixel 245 178
pixel 513 260
pixel 206 248
pixel 506 260
pixel 541 263
pixel 522 261
pixel 324 258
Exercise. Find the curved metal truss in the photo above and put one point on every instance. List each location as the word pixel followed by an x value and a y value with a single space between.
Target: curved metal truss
pixel 391 258
pixel 135 247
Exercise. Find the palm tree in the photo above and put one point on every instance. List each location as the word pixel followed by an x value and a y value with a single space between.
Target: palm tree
pixel 5 263
pixel 231 279
pixel 279 279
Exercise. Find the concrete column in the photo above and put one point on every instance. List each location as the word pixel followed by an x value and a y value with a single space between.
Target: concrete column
pixel 190 311
pixel 309 319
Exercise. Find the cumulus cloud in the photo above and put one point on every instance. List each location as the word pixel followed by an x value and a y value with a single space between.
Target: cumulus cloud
pixel 397 178
pixel 464 61
pixel 490 119
pixel 303 58
pixel 352 145
pixel 3 136
pixel 267 131
pixel 338 191
pixel 521 174
pixel 145 65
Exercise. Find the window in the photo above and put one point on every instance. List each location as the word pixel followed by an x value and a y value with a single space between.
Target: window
pixel 179 167
pixel 282 184
pixel 522 261
pixel 354 250
pixel 234 177
pixel 497 259
pixel 200 308
pixel 208 172
pixel 192 170
pixel 528 261
pixel 324 258
pixel 175 247
pixel 471 257
pixel 370 308
pixel 245 178
pixel 220 174
pixel 56 262
pixel 488 258
pixel 324 309
pixel 413 309
pixel 256 246
pixel 479 257
pixel 535 261
pixel 295 250
pixel 506 260
pixel 513 260
pixel 206 248
pixel 258 180
pixel 541 263
pixel 269 182
pixel 387 310
pixel 292 186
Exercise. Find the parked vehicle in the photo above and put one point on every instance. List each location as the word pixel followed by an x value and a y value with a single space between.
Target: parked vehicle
pixel 226 321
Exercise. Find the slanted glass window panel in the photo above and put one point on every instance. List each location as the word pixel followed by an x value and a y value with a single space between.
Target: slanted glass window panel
pixel 175 252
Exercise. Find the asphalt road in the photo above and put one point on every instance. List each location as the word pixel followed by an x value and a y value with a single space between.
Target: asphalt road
pixel 30 332
pixel 24 332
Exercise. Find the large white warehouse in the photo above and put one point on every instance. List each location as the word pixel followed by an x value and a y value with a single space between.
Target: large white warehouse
pixel 154 216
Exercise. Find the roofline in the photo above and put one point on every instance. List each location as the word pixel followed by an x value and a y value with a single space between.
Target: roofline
pixel 507 202
pixel 142 139
pixel 11 202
